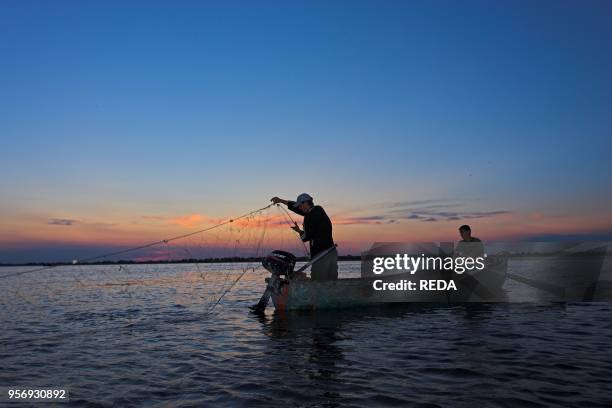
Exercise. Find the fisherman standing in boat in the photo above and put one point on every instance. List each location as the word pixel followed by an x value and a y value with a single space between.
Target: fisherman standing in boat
pixel 317 230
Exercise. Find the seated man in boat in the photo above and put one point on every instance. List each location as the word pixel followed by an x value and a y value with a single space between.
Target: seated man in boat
pixel 317 230
pixel 469 246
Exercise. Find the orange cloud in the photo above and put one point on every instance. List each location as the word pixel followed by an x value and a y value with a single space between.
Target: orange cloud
pixel 196 220
pixel 189 221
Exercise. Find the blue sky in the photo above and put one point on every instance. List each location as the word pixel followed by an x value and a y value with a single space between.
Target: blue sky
pixel 122 109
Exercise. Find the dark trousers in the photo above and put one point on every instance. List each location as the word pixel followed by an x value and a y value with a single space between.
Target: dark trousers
pixel 325 268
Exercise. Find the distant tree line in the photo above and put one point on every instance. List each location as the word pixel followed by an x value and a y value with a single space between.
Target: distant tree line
pixel 170 261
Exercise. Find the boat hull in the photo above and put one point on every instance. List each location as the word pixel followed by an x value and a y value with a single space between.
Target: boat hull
pixel 359 292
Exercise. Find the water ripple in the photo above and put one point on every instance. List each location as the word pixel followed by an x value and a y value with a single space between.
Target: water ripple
pixel 148 345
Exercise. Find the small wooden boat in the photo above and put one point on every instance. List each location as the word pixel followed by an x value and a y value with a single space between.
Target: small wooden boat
pixel 295 292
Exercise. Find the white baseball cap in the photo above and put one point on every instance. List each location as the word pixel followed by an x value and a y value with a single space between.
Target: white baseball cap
pixel 302 198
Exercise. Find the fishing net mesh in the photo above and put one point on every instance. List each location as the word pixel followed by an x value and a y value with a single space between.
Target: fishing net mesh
pixel 199 268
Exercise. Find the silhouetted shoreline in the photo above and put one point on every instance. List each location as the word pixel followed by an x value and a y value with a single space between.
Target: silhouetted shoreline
pixel 233 259
pixel 597 252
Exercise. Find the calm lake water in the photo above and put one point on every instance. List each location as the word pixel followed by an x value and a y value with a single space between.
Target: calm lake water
pixel 145 335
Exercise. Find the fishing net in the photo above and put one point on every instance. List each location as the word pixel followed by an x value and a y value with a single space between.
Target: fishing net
pixel 198 268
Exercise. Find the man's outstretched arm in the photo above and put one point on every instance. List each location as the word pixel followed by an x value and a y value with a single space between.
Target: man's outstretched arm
pixel 277 200
pixel 288 203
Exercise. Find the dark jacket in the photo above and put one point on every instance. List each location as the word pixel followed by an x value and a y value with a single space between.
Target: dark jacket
pixel 474 248
pixel 317 228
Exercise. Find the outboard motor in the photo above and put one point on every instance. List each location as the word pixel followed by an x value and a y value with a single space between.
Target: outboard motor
pixel 278 263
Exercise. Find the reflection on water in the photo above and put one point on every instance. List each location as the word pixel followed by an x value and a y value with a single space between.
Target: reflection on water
pixel 142 337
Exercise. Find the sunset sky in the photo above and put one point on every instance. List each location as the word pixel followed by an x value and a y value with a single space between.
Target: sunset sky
pixel 127 122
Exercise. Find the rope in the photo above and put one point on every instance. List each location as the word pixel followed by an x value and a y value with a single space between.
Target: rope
pixel 306 252
pixel 163 241
pixel 259 242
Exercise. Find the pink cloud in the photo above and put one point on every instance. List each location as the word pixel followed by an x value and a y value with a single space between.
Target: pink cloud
pixel 191 220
